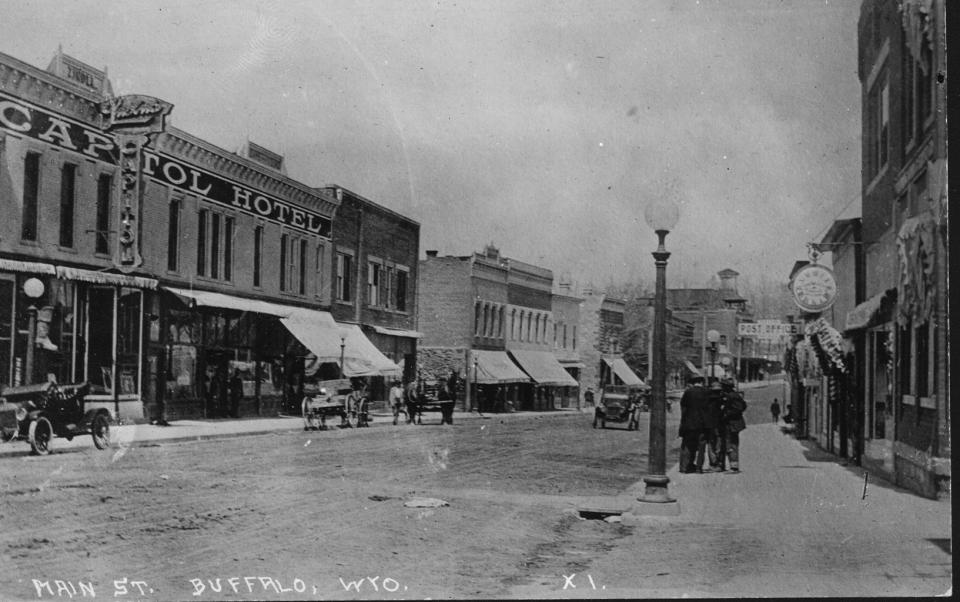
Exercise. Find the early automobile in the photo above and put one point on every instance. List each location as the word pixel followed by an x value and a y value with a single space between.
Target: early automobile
pixel 38 413
pixel 619 404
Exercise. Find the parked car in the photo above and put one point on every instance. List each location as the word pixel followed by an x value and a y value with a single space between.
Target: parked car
pixel 619 404
pixel 38 413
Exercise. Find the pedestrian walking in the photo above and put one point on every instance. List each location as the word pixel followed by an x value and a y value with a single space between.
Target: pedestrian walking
pixel 693 420
pixel 396 400
pixel 732 423
pixel 411 397
pixel 452 382
pixel 775 410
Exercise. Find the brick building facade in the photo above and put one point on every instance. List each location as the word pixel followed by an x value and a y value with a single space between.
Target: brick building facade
pixel 373 282
pixel 902 70
pixel 177 278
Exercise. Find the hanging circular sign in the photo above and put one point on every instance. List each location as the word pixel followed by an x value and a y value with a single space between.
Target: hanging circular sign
pixel 814 288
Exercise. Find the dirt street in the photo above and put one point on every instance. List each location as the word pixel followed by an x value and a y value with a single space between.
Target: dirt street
pixel 318 514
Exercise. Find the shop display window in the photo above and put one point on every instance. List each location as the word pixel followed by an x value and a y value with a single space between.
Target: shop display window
pixel 7 288
pixel 100 339
pixel 129 329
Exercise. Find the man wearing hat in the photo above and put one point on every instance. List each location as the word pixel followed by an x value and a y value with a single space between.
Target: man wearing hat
pixel 731 423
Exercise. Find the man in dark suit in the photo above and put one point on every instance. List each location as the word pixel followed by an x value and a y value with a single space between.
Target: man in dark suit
pixel 710 446
pixel 732 423
pixel 693 421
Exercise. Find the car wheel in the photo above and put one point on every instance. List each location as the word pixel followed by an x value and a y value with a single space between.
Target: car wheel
pixel 100 431
pixel 39 436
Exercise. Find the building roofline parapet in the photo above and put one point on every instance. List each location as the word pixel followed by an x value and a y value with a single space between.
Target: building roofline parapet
pixel 210 156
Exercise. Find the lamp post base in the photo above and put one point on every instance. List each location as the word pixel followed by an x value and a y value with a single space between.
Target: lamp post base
pixel 654 501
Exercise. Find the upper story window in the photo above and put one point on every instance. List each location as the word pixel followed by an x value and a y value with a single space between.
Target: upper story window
pixel 293 260
pixel 228 230
pixel 879 120
pixel 68 200
pixel 257 255
pixel 374 277
pixel 104 190
pixel 173 235
pixel 387 284
pixel 30 217
pixel 344 270
pixel 202 242
pixel 917 93
pixel 400 291
pixel 215 244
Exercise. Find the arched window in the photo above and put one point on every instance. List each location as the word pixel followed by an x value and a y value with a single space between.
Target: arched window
pixel 476 317
pixel 503 312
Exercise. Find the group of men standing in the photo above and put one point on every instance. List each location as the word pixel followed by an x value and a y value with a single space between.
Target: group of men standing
pixel 710 423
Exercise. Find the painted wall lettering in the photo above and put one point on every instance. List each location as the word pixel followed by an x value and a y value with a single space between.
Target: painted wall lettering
pixel 27 119
pixel 220 190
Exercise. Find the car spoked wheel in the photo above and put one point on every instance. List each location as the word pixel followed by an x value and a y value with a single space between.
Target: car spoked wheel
pixel 39 436
pixel 100 431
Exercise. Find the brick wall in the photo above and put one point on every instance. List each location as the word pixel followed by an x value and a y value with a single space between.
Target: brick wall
pixel 446 302
pixel 588 343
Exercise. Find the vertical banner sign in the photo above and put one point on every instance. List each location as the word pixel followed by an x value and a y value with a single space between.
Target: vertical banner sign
pixel 132 119
pixel 128 248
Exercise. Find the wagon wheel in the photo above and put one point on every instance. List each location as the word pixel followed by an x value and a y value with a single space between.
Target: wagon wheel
pixel 39 436
pixel 100 431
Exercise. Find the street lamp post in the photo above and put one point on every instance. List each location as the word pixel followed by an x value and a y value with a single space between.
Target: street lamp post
pixel 661 216
pixel 343 345
pixel 33 289
pixel 713 337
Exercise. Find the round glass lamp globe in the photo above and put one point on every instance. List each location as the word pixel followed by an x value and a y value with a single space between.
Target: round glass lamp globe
pixel 661 214
pixel 713 336
pixel 33 288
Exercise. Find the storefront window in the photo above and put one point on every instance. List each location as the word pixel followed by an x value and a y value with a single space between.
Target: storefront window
pixel 181 372
pixel 100 339
pixel 7 288
pixel 129 327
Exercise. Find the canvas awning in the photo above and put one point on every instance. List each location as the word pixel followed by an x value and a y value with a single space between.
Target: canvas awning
pixel 30 267
pixel 210 299
pixel 323 337
pixel 543 368
pixel 872 311
pixel 95 277
pixel 495 367
pixel 623 372
pixel 317 330
pixel 397 332
pixel 693 369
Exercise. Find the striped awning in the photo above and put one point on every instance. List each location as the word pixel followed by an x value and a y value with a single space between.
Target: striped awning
pixel 95 277
pixel 30 267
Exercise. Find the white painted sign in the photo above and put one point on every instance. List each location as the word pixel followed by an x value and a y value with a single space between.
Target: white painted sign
pixel 767 329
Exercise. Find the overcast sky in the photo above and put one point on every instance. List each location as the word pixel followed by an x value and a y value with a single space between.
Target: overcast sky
pixel 543 127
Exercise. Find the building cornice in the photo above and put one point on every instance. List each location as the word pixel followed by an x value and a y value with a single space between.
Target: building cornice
pixel 201 153
pixel 47 90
